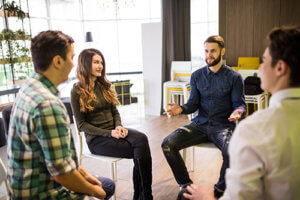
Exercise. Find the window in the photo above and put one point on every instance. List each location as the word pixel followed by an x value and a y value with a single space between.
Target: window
pixel 116 29
pixel 204 23
pixel 115 26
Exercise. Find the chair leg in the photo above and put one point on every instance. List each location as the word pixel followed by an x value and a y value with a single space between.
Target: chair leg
pixel 193 159
pixel 183 155
pixel 114 197
pixel 259 102
pixel 113 173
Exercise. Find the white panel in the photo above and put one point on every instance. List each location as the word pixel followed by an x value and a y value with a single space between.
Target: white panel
pixel 152 67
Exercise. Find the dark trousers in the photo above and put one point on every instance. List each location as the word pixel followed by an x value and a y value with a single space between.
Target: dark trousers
pixel 135 146
pixel 190 135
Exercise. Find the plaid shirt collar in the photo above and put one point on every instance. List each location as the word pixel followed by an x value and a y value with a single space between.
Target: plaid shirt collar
pixel 44 80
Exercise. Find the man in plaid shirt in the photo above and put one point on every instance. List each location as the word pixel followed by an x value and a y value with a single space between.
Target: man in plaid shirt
pixel 42 162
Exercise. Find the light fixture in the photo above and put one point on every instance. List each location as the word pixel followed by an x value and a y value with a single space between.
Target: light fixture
pixel 88 37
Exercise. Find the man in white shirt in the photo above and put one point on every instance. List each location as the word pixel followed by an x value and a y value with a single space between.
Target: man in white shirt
pixel 264 149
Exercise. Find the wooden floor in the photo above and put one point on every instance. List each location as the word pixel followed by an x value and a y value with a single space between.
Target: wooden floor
pixel 207 161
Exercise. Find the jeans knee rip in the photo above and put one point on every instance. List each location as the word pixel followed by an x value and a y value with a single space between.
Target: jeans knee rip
pixel 185 129
pixel 166 148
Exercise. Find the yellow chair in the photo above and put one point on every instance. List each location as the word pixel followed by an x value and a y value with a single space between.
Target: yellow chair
pixel 248 63
pixel 179 86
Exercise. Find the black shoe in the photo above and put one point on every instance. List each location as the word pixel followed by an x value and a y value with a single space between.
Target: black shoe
pixel 185 185
pixel 180 194
pixel 218 192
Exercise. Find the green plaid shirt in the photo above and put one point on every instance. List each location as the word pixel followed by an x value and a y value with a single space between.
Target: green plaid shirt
pixel 40 144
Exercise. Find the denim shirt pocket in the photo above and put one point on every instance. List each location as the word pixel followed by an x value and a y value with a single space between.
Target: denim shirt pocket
pixel 223 91
pixel 204 92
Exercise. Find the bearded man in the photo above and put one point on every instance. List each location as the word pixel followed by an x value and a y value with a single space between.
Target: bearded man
pixel 217 93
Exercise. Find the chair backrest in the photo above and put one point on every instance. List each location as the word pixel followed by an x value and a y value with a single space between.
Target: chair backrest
pixel 6 118
pixel 80 137
pixel 2 133
pixel 77 140
pixel 3 177
pixel 248 62
pixel 181 71
pixel 249 72
pixel 198 66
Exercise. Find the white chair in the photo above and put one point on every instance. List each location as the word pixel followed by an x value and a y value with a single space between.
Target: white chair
pixel 203 145
pixel 179 85
pixel 258 99
pixel 85 151
pixel 249 72
pixel 3 177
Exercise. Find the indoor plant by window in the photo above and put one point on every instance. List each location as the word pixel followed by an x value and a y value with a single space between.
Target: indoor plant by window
pixel 11 9
pixel 16 53
pixel 14 46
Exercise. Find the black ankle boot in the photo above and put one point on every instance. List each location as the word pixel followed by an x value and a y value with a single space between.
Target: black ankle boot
pixel 145 172
pixel 218 193
pixel 136 181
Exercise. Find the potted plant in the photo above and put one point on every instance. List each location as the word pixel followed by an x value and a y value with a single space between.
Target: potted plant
pixel 11 9
pixel 16 53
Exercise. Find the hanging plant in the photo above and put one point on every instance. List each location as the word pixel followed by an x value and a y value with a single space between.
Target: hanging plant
pixel 17 54
pixel 13 10
pixel 7 34
pixel 21 35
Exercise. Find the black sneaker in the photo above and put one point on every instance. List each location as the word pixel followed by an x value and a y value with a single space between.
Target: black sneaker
pixel 218 192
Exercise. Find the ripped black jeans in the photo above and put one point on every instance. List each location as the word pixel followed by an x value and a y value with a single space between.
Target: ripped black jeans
pixel 193 134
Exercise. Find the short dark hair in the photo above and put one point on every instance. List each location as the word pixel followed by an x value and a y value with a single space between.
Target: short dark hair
pixel 46 45
pixel 216 39
pixel 284 44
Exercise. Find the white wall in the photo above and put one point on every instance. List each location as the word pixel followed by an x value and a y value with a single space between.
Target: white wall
pixel 152 67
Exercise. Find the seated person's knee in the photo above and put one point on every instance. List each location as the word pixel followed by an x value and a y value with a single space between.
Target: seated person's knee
pixel 167 145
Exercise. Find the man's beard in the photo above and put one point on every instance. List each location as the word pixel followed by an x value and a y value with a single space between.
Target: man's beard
pixel 215 62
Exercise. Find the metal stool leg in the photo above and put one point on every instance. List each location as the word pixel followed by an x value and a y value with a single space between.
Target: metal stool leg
pixel 113 173
pixel 193 159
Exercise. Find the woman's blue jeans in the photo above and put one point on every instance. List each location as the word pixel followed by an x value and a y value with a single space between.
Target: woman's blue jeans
pixel 193 134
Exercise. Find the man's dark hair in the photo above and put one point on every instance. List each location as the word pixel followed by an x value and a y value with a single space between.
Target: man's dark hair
pixel 216 39
pixel 46 45
pixel 284 43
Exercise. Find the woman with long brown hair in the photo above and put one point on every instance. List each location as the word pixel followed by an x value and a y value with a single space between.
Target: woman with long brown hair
pixel 94 106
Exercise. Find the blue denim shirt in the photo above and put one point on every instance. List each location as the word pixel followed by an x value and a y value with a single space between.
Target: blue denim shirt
pixel 215 95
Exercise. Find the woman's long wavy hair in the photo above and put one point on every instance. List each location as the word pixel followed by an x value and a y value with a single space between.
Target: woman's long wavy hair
pixel 86 84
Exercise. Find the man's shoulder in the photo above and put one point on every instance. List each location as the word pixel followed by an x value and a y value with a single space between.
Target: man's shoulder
pixel 230 70
pixel 34 92
pixel 199 72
